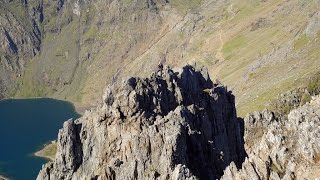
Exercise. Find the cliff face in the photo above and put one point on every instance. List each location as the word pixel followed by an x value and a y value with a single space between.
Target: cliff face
pixel 285 147
pixel 20 39
pixel 55 47
pixel 3 178
pixel 181 125
pixel 171 125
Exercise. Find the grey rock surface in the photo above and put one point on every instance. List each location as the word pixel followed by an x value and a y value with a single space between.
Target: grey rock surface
pixel 3 178
pixel 167 126
pixel 181 125
pixel 281 148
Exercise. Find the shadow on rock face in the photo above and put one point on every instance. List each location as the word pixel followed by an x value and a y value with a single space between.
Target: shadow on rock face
pixel 213 136
pixel 168 126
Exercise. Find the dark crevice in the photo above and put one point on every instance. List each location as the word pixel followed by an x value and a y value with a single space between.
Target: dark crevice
pixel 210 147
pixel 12 44
pixel 78 151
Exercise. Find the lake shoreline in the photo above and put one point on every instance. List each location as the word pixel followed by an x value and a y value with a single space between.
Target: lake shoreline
pixel 79 107
pixel 35 121
pixel 47 151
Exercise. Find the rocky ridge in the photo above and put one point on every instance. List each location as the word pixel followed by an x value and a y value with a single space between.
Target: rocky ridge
pixel 171 125
pixel 285 147
pixel 181 125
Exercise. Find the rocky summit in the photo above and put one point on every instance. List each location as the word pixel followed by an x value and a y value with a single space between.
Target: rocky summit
pixel 182 125
pixel 171 125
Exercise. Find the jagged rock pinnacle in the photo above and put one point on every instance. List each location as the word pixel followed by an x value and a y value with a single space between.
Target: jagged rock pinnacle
pixel 171 125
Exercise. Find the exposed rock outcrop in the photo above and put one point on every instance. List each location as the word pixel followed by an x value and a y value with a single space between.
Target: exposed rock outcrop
pixel 20 40
pixel 3 178
pixel 171 125
pixel 181 125
pixel 281 148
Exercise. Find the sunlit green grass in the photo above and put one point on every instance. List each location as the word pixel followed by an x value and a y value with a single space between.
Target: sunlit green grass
pixel 185 5
pixel 49 151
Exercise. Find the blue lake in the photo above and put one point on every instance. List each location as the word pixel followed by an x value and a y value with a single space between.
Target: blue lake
pixel 25 125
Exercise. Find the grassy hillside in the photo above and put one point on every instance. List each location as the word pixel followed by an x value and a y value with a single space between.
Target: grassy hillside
pixel 258 48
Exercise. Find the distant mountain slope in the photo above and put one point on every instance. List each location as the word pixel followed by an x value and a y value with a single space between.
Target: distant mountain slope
pixel 20 40
pixel 259 48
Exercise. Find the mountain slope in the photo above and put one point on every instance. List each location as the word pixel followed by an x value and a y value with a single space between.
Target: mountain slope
pixel 259 48
pixel 20 41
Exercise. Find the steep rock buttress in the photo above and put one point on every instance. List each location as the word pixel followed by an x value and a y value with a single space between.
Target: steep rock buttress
pixel 171 125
